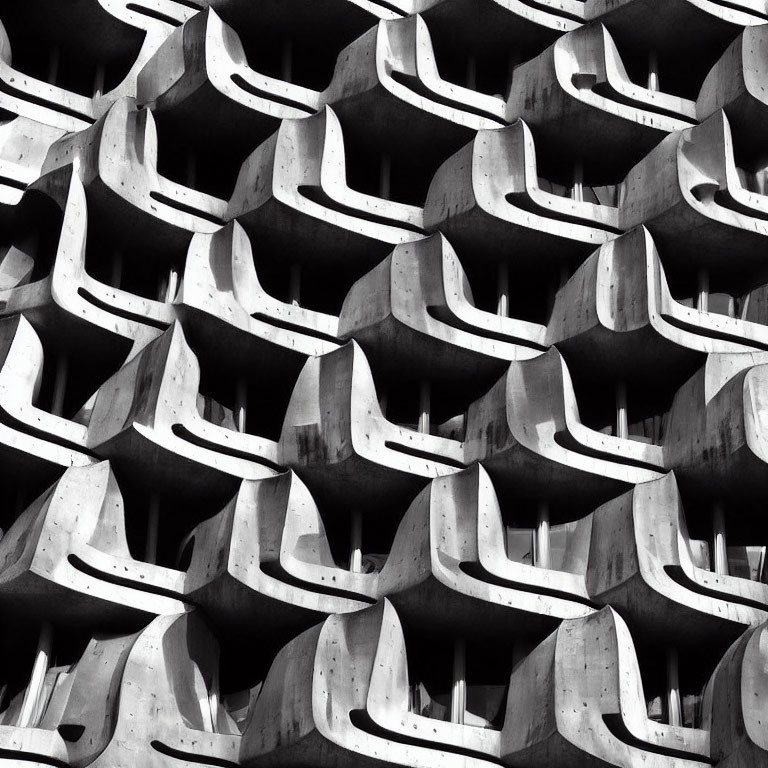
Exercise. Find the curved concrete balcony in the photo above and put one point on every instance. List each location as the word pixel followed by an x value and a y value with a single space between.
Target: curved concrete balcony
pixel 527 433
pixel 415 312
pixel 449 569
pixel 116 159
pixel 221 298
pixel 338 695
pixel 578 97
pixel 57 719
pixel 694 199
pixel 33 440
pixel 532 24
pixel 24 145
pixel 166 709
pixel 569 718
pixel 708 23
pixel 341 20
pixel 489 194
pixel 145 418
pixel 386 84
pixel 79 570
pixel 200 79
pixel 265 560
pixel 716 432
pixel 38 100
pixel 68 305
pixel 336 439
pixel 736 697
pixel 292 194
pixel 618 312
pixel 734 85
pixel 652 571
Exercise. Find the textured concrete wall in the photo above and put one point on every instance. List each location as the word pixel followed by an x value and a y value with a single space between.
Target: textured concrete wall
pixel 384 383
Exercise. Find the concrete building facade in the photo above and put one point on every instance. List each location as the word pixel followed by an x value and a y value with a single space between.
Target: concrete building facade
pixel 384 383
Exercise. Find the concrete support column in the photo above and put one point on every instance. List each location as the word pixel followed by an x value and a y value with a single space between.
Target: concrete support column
pixel 286 65
pixel 577 191
pixel 720 554
pixel 653 71
pixel 702 297
pixel 153 527
pixel 172 285
pixel 98 81
pixel 31 702
pixel 241 404
pixel 542 558
pixel 674 705
pixel 425 396
pixel 622 418
pixel 459 687
pixel 209 705
pixel 502 294
pixel 60 385
pixel 294 289
pixel 356 542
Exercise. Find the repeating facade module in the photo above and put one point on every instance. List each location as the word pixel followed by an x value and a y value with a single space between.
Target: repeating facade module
pixel 384 383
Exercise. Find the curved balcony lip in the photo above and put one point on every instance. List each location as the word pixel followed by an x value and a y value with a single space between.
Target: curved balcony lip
pixel 20 376
pixel 662 110
pixel 221 284
pixel 736 12
pixel 345 718
pixel 38 100
pixel 559 15
pixel 23 147
pixel 416 309
pixel 122 146
pixel 301 172
pixel 550 430
pixel 448 568
pixel 592 109
pixel 69 297
pixel 287 566
pixel 221 66
pixel 591 309
pixel 109 582
pixel 38 745
pixel 317 440
pixel 615 708
pixel 403 67
pixel 468 195
pixel 387 709
pixel 528 196
pixel 384 705
pixel 186 727
pixel 652 573
pixel 165 420
pixel 711 186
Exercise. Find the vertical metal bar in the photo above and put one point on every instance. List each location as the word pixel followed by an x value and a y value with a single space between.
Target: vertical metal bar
pixel 720 543
pixel 541 549
pixel 424 406
pixel 356 542
pixel 622 418
pixel 34 690
pixel 502 294
pixel 459 687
